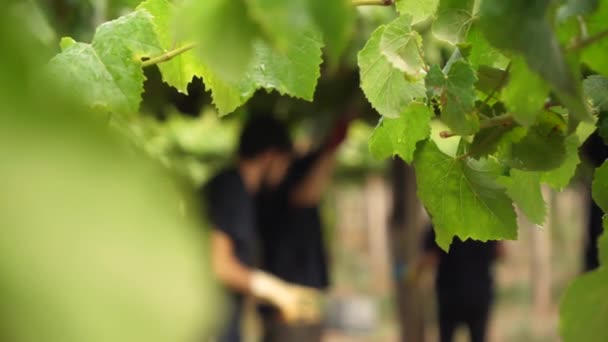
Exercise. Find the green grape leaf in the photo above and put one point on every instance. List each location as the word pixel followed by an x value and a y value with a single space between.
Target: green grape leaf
pixel 224 33
pixel 584 308
pixel 538 148
pixel 595 87
pixel 594 55
pixel 108 72
pixel 560 177
pixel 487 140
pixel 401 46
pixel 518 26
pixel 132 35
pixel 419 10
pixel 482 53
pixel 121 44
pixel 459 54
pixel 491 80
pixel 385 87
pixel 180 70
pixel 523 188
pixel 336 19
pixel 454 18
pixel 600 186
pixel 227 94
pixel 456 95
pixel 80 70
pixel 399 136
pixel 463 197
pixel 281 21
pixel 525 94
pixel 294 71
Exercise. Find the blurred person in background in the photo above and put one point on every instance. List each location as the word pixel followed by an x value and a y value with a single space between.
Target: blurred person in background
pixel 464 283
pixel 264 155
pixel 595 153
pixel 292 234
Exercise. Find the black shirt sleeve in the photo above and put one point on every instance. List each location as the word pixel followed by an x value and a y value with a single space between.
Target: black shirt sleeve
pixel 300 169
pixel 428 244
pixel 225 204
pixel 595 151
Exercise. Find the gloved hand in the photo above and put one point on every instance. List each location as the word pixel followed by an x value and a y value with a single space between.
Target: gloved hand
pixel 295 303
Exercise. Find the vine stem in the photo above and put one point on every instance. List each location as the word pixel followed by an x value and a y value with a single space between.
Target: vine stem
pixel 583 43
pixel 425 67
pixel 373 2
pixel 582 27
pixel 500 83
pixel 167 55
pixel 501 120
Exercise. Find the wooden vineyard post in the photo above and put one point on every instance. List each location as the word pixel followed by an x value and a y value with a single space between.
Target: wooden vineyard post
pixel 404 241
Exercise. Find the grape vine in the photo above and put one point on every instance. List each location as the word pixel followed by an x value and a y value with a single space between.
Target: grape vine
pixel 523 89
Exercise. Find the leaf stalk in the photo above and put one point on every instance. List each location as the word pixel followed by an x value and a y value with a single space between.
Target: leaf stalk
pixel 373 2
pixel 499 85
pixel 167 56
pixel 583 43
pixel 501 120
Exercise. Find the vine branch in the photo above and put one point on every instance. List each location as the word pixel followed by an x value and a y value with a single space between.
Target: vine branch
pixel 501 120
pixel 167 55
pixel 583 43
pixel 373 2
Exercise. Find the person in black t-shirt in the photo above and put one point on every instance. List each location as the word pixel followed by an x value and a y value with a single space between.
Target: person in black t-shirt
pixel 464 284
pixel 291 231
pixel 595 153
pixel 264 155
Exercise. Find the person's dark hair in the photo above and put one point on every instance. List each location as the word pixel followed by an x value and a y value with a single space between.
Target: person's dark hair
pixel 261 134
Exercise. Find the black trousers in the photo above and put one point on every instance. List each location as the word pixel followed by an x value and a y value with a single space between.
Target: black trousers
pixel 455 310
pixel 231 331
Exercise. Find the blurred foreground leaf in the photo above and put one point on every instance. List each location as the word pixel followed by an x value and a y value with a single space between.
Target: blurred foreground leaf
pixel 99 243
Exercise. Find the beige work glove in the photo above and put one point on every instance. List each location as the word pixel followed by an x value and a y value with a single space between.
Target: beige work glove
pixel 297 304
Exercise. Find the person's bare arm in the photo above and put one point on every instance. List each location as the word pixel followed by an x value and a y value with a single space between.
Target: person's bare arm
pixel 296 303
pixel 229 270
pixel 501 250
pixel 428 260
pixel 310 190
